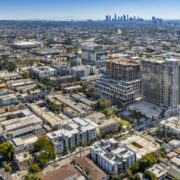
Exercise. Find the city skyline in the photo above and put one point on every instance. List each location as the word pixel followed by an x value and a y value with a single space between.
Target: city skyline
pixel 84 9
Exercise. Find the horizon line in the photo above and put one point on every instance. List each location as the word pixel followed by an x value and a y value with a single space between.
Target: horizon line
pixel 76 20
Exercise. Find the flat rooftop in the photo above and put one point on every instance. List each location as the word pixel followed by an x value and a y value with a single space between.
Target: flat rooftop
pixel 144 107
pixel 160 61
pixel 140 145
pixel 125 61
pixel 157 170
pixel 25 140
pixel 48 116
pixel 173 122
pixel 25 43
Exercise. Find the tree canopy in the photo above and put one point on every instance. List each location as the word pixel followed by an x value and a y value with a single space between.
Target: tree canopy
pixel 44 151
pixel 6 151
pixel 11 66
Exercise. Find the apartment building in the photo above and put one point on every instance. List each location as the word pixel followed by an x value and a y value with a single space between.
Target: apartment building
pixel 72 133
pixel 122 80
pixel 161 82
pixel 111 157
pixel 43 72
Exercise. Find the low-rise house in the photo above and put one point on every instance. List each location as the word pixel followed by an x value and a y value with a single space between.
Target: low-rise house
pixel 158 171
pixel 108 126
pixel 171 126
pixel 24 143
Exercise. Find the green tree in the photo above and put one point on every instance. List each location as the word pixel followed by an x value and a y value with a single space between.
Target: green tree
pixel 9 135
pixel 42 158
pixel 11 66
pixel 34 168
pixel 41 144
pixel 150 158
pixel 7 167
pixel 32 177
pixel 7 151
pixel 115 177
pixel 150 175
pixel 87 170
pixel 44 151
pixel 52 106
pixel 102 104
pixel 108 112
pixel 135 167
pixel 25 74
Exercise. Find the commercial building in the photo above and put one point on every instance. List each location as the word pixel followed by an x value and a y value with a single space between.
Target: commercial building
pixel 72 133
pixel 143 114
pixel 122 80
pixel 43 72
pixel 56 81
pixel 7 100
pixel 71 107
pixel 47 52
pixel 94 53
pixel 47 116
pixel 111 157
pixel 82 98
pixel 18 123
pixel 171 126
pixel 21 84
pixel 161 82
pixel 82 71
pixel 26 44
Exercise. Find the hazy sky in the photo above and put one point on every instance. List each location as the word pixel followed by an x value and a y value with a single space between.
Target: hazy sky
pixel 87 9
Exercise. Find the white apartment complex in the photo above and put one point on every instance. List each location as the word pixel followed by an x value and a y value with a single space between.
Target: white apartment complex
pixel 72 133
pixel 43 72
pixel 111 157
